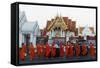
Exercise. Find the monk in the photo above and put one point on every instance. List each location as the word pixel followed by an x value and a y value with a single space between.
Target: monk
pixel 67 49
pixel 31 52
pixel 47 50
pixel 21 54
pixel 39 50
pixel 53 50
pixel 77 47
pixel 84 49
pixel 44 49
pixel 61 50
pixel 24 47
pixel 71 50
pixel 92 50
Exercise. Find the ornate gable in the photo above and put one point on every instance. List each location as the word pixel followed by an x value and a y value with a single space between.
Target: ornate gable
pixel 57 22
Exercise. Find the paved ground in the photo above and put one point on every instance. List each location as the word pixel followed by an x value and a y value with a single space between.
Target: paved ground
pixel 56 59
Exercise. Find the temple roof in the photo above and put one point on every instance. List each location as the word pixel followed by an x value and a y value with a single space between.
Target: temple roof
pixel 28 26
pixel 64 20
pixel 90 29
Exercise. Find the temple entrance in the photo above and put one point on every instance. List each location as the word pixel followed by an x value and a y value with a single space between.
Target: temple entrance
pixel 27 41
pixel 42 40
pixel 57 31
pixel 59 39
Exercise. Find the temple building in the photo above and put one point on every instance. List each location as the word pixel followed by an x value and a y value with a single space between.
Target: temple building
pixel 60 29
pixel 86 30
pixel 28 31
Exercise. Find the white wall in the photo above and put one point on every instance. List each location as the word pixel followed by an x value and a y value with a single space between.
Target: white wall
pixel 5 34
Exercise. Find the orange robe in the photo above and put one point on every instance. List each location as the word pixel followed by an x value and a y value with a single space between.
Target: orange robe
pixel 53 50
pixel 92 50
pixel 61 51
pixel 71 50
pixel 37 47
pixel 31 52
pixel 67 50
pixel 44 50
pixel 77 50
pixel 39 50
pixel 47 53
pixel 21 54
pixel 84 50
pixel 24 47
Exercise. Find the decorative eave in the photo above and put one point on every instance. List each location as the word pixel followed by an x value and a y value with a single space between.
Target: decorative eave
pixel 54 21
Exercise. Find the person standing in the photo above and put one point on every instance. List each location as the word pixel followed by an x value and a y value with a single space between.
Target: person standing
pixel 61 50
pixel 22 52
pixel 71 50
pixel 24 47
pixel 67 49
pixel 53 50
pixel 84 49
pixel 47 51
pixel 39 50
pixel 92 50
pixel 31 51
pixel 77 47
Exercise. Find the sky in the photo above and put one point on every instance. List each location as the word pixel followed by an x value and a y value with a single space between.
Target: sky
pixel 82 16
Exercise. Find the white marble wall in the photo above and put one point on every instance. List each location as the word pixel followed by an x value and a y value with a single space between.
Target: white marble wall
pixel 31 37
pixel 20 40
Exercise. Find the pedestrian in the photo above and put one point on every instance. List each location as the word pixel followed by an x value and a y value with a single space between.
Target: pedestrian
pixel 61 50
pixel 77 47
pixel 39 50
pixel 92 50
pixel 31 52
pixel 84 49
pixel 67 49
pixel 71 50
pixel 21 54
pixel 47 52
pixel 24 47
pixel 53 50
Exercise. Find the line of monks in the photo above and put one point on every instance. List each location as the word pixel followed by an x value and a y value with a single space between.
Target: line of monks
pixel 68 50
